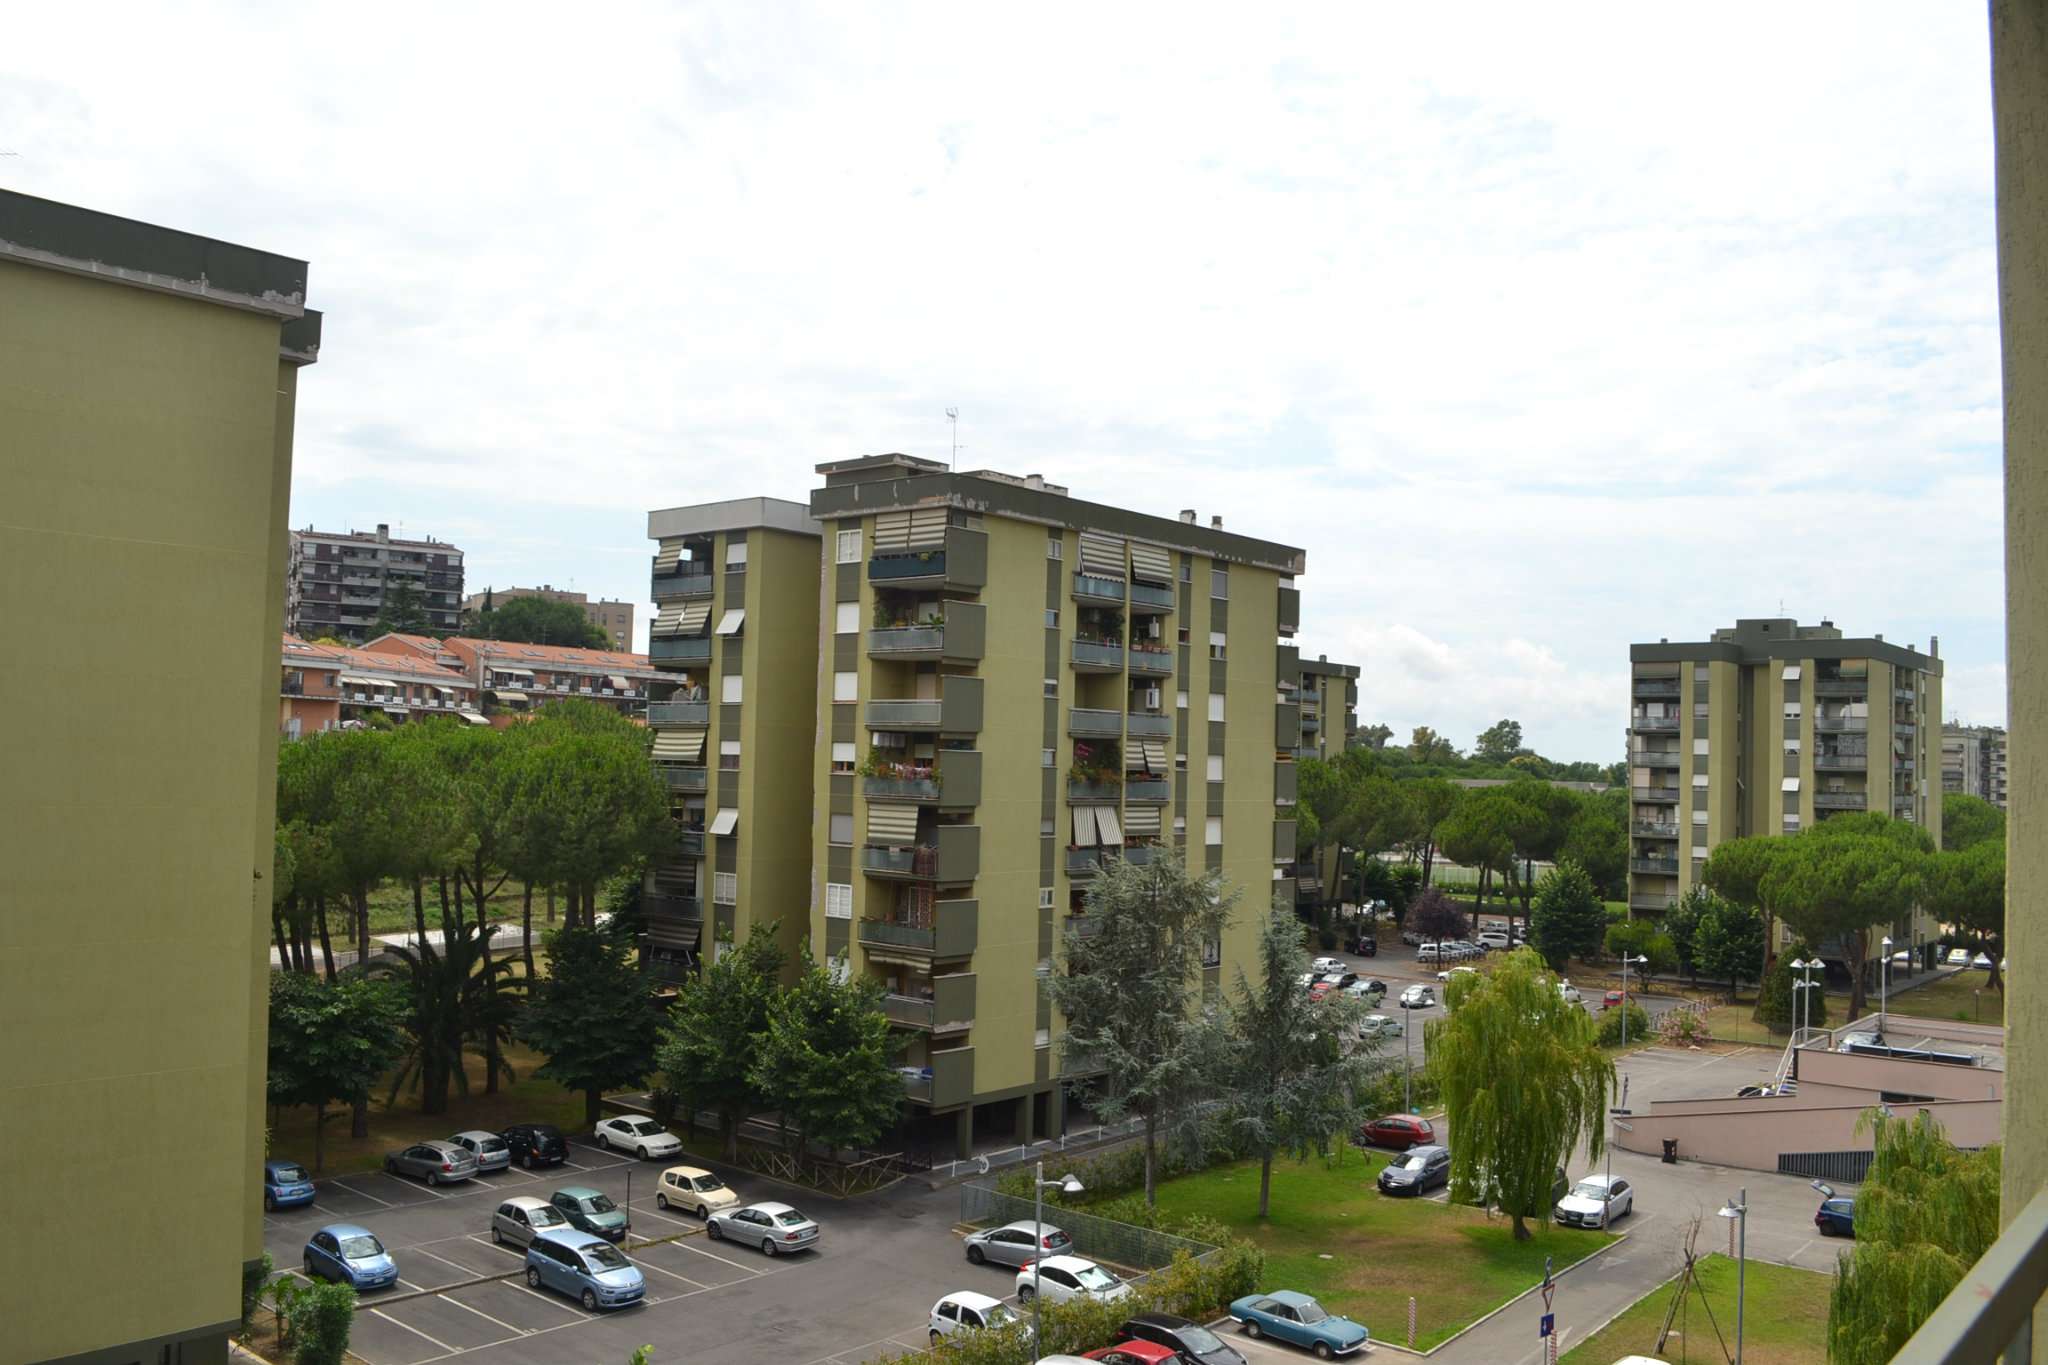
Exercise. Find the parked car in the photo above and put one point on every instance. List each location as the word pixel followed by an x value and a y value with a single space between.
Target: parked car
pixel 1018 1243
pixel 777 1229
pixel 286 1185
pixel 1062 1278
pixel 351 1255
pixel 519 1218
pixel 643 1137
pixel 1332 981
pixel 1298 1320
pixel 1958 957
pixel 1836 1217
pixel 1429 952
pixel 591 1211
pixel 1611 999
pixel 1367 989
pixel 489 1149
pixel 693 1188
pixel 434 1162
pixel 967 1311
pixel 1569 993
pixel 1365 945
pixel 1410 937
pixel 536 1144
pixel 1191 1341
pixel 1445 976
pixel 1398 1131
pixel 1419 996
pixel 1375 1026
pixel 1425 1167
pixel 1135 1353
pixel 1596 1201
pixel 1465 948
pixel 1323 965
pixel 1493 940
pixel 586 1268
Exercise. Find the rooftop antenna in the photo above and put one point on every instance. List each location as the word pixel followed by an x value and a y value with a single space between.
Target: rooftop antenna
pixel 953 416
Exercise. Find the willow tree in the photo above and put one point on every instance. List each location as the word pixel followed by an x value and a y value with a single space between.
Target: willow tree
pixel 1924 1214
pixel 1523 1082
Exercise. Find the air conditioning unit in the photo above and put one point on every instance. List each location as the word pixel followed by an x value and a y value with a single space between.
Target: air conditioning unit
pixel 1152 698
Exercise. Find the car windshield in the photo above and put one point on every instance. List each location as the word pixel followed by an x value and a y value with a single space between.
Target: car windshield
pixel 361 1248
pixel 1095 1277
pixel 646 1127
pixel 707 1183
pixel 1199 1340
pixel 1415 1163
pixel 1311 1312
pixel 1590 1189
pixel 545 1216
pixel 603 1256
pixel 291 1175
pixel 998 1315
pixel 791 1219
pixel 601 1203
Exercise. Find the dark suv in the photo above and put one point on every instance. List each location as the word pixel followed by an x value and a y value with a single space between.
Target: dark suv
pixel 1194 1343
pixel 536 1144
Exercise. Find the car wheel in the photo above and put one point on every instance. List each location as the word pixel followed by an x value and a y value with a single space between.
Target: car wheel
pixel 712 1231
pixel 1024 1294
pixel 660 1200
pixel 390 1166
pixel 1826 1231
pixel 1251 1329
pixel 497 1237
pixel 533 1276
pixel 433 1177
pixel 604 1143
pixel 1322 1349
pixel 269 1203
pixel 976 1256
pixel 309 1269
pixel 767 1246
pixel 704 1212
pixel 935 1340
pixel 590 1300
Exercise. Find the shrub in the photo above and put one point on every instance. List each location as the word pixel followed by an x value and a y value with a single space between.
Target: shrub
pixel 1683 1028
pixel 1122 1169
pixel 329 1311
pixel 1327 937
pixel 1777 1003
pixel 1609 1032
pixel 255 1275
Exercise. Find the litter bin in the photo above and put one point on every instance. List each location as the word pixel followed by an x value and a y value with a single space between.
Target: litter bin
pixel 1670 1151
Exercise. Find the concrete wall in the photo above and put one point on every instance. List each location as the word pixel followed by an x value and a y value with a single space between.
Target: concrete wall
pixel 1751 1133
pixel 1880 1075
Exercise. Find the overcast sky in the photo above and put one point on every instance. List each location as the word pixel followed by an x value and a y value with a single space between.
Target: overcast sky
pixel 1543 329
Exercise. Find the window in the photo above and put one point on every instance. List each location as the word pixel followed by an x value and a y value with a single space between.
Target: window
pixel 729 687
pixel 1045 898
pixel 1045 758
pixel 1215 706
pixel 1182 635
pixel 1699 779
pixel 1212 952
pixel 840 829
pixel 845 687
pixel 842 756
pixel 1180 824
pixel 736 554
pixel 1699 746
pixel 840 968
pixel 1052 618
pixel 1699 817
pixel 1180 761
pixel 838 900
pixel 725 888
pixel 1044 1038
pixel 1054 547
pixel 1699 673
pixel 1791 824
pixel 1699 850
pixel 1187 570
pixel 1219 583
pixel 1212 831
pixel 1215 767
pixel 849 547
pixel 1052 687
pixel 1180 700
pixel 728 753
pixel 1216 644
pixel 1791 710
pixel 847 619
pixel 1045 825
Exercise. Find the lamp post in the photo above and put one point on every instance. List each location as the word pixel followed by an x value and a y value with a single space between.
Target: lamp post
pixel 1738 1209
pixel 1884 976
pixel 1407 1066
pixel 1625 960
pixel 1801 1013
pixel 1066 1184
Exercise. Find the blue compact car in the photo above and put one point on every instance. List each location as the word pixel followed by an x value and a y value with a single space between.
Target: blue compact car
pixel 1298 1320
pixel 1836 1218
pixel 583 1266
pixel 351 1255
pixel 286 1185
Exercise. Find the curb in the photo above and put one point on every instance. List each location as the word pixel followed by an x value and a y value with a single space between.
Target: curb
pixel 1587 1259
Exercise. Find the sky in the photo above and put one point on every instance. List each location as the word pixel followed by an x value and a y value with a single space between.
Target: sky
pixel 1543 330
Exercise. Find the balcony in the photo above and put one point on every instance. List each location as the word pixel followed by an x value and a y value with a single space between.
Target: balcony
pixel 949 1008
pixel 1659 796
pixel 1146 725
pixel 1076 1061
pixel 1840 800
pixel 1841 687
pixel 1150 661
pixel 959 637
pixel 1139 855
pixel 1095 591
pixel 668 587
pixel 1654 829
pixel 954 855
pixel 950 1083
pixel 953 932
pixel 1310 722
pixel 1654 758
pixel 693 713
pixel 1149 790
pixel 1841 763
pixel 681 779
pixel 1284 841
pixel 687 649
pixel 1089 724
pixel 1656 867
pixel 954 785
pixel 1148 600
pixel 1286 783
pixel 1089 792
pixel 1287 727
pixel 1083 926
pixel 1654 725
pixel 960 562
pixel 955 711
pixel 1094 656
pixel 1655 902
pixel 678 911
pixel 1083 863
pixel 690 843
pixel 1655 687
pixel 1841 725
pixel 1290 611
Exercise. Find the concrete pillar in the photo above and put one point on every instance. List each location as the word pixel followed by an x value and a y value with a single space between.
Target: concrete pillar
pixel 963 1133
pixel 1056 1111
pixel 1025 1115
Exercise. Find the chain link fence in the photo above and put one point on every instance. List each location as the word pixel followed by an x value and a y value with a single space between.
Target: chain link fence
pixel 1098 1239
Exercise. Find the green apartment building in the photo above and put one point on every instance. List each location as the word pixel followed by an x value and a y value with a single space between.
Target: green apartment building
pixel 1766 728
pixel 1328 696
pixel 147 385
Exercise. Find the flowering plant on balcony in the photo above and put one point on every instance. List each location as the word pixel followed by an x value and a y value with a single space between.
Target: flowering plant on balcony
pixel 879 763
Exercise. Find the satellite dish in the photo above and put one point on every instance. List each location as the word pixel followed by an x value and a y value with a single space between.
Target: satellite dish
pixel 981 1164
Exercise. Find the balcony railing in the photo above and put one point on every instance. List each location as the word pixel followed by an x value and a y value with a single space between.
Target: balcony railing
pixel 951 934
pixel 1650 901
pixel 1151 662
pixel 1095 724
pixel 956 710
pixel 1654 758
pixel 678 713
pixel 1840 800
pixel 1138 855
pixel 1653 829
pixel 1841 687
pixel 898 565
pixel 1655 724
pixel 1083 926
pixel 907 640
pixel 681 779
pixel 958 561
pixel 949 1008
pixel 1147 598
pixel 667 586
pixel 1148 789
pixel 1089 588
pixel 950 1082
pixel 1841 763
pixel 1092 793
pixel 1083 862
pixel 954 855
pixel 1656 687
pixel 1656 867
pixel 901 788
pixel 1991 1310
pixel 1092 655
pixel 1665 796
pixel 675 909
pixel 1144 725
pixel 679 649
pixel 1841 724
pixel 690 843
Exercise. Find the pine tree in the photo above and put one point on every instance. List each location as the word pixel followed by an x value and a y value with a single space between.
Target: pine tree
pixel 592 1017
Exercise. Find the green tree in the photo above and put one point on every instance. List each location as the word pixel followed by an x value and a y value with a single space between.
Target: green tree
pixel 1480 835
pixel 537 621
pixel 1538 817
pixel 1641 938
pixel 1681 923
pixel 330 1041
pixel 706 1050
pixel 1728 943
pixel 1428 746
pixel 1292 1086
pixel 1567 919
pixel 589 803
pixel 826 1060
pixel 1435 799
pixel 1523 1082
pixel 1969 820
pixel 1435 916
pixel 1845 877
pixel 1499 742
pixel 1778 1004
pixel 591 1017
pixel 402 613
pixel 1130 995
pixel 1967 889
pixel 322 1322
pixel 1739 870
pixel 1924 1214
pixel 456 997
pixel 1375 737
pixel 1597 839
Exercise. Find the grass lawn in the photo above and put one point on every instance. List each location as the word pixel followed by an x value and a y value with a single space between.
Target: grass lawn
pixel 1961 996
pixel 1784 1319
pixel 1333 1235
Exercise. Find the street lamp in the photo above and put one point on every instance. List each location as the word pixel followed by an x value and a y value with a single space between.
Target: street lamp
pixel 1738 1209
pixel 1803 1011
pixel 1067 1185
pixel 1884 976
pixel 1407 1067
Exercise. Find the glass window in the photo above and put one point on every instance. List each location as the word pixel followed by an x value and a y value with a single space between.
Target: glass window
pixel 1219 583
pixel 1180 700
pixel 725 888
pixel 849 547
pixel 728 754
pixel 838 900
pixel 1054 547
pixel 1215 767
pixel 1216 641
pixel 1046 757
pixel 845 687
pixel 1699 746
pixel 1052 618
pixel 846 621
pixel 1052 687
pixel 841 828
pixel 1045 898
pixel 1187 570
pixel 1212 831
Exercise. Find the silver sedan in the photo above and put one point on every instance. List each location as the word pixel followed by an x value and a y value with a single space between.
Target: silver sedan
pixel 1017 1243
pixel 775 1228
pixel 433 1162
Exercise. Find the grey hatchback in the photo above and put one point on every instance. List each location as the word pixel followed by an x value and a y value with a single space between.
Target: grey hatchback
pixel 434 1162
pixel 1018 1243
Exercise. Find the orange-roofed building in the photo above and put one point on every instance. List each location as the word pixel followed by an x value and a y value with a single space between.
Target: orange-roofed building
pixel 325 687
pixel 513 678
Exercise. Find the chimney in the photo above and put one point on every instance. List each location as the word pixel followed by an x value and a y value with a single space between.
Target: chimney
pixel 1879 637
pixel 1187 516
pixel 1034 480
pixel 383 530
pixel 1934 646
pixel 1215 523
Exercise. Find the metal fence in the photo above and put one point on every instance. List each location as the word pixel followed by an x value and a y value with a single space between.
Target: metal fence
pixel 1077 1139
pixel 1846 1168
pixel 1099 1239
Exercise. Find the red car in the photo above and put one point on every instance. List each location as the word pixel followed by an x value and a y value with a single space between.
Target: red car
pixel 1611 999
pixel 1135 1353
pixel 1398 1131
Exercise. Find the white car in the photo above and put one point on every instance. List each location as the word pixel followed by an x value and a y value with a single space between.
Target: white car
pixel 1494 939
pixel 1419 996
pixel 967 1311
pixel 1569 993
pixel 1325 964
pixel 1379 1026
pixel 1596 1201
pixel 643 1137
pixel 695 1189
pixel 1958 957
pixel 1457 971
pixel 1071 1277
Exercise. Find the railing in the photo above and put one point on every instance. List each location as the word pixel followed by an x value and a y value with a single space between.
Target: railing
pixel 1650 901
pixel 1140 724
pixel 679 649
pixel 683 779
pixel 1148 789
pixel 897 935
pixel 1654 758
pixel 662 905
pixel 680 585
pixel 1662 867
pixel 1654 723
pixel 1093 654
pixel 900 862
pixel 1841 724
pixel 1083 862
pixel 1145 595
pixel 1656 687
pixel 1310 722
pixel 679 713
pixel 1140 854
pixel 690 843
pixel 886 566
pixel 1841 762
pixel 1095 724
pixel 1155 662
pixel 901 788
pixel 1083 790
pixel 1083 926
pixel 1660 795
pixel 1089 588
pixel 907 1009
pixel 907 640
pixel 1991 1309
pixel 1841 687
pixel 1654 830
pixel 1840 800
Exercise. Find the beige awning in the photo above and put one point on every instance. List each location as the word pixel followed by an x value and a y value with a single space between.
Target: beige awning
pixel 444 691
pixel 1152 564
pixel 663 933
pixel 668 556
pixel 918 528
pixel 516 672
pixel 395 710
pixel 475 717
pixel 888 824
pixel 503 695
pixel 1084 827
pixel 730 623
pixel 679 746
pixel 681 618
pixel 616 681
pixel 1112 833
pixel 727 821
pixel 1141 820
pixel 1103 555
pixel 1148 754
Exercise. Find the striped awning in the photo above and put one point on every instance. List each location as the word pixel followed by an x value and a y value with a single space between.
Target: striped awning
pixel 1084 827
pixel 919 528
pixel 1152 564
pixel 668 556
pixel 892 824
pixel 1112 832
pixel 1142 820
pixel 681 618
pixel 662 933
pixel 620 683
pixel 1102 555
pixel 503 694
pixel 679 746
pixel 1148 754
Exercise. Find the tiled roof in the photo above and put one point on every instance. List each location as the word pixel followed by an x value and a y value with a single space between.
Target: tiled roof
pixel 525 655
pixel 299 653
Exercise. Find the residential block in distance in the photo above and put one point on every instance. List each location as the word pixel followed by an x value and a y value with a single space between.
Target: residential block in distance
pixel 614 618
pixel 336 581
pixel 1973 761
pixel 513 678
pixel 324 687
pixel 1328 696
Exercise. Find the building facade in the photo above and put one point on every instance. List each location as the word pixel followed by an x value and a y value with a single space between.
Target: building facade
pixel 324 687
pixel 1328 696
pixel 1766 728
pixel 511 679
pixel 148 382
pixel 1973 762
pixel 336 582
pixel 615 619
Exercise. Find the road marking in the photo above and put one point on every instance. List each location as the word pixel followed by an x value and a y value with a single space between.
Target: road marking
pixel 549 1299
pixel 513 1252
pixel 422 1250
pixel 365 1194
pixel 516 1331
pixel 751 1270
pixel 649 1265
pixel 666 1219
pixel 450 1350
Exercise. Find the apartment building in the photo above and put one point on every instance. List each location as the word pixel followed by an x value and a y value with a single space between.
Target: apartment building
pixel 148 383
pixel 336 582
pixel 615 619
pixel 1765 728
pixel 735 645
pixel 1328 696
pixel 511 678
pixel 324 687
pixel 1973 761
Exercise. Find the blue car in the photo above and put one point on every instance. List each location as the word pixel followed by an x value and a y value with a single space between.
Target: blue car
pixel 585 1267
pixel 1298 1320
pixel 352 1255
pixel 286 1185
pixel 1836 1218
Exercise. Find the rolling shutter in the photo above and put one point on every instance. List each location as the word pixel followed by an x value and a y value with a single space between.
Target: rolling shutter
pixel 920 528
pixel 1102 555
pixel 1084 827
pixel 1142 820
pixel 1152 564
pixel 892 824
pixel 679 746
pixel 1146 754
pixel 892 531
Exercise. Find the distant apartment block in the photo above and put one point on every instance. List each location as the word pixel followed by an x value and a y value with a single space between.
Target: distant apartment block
pixel 1327 694
pixel 1973 762
pixel 511 679
pixel 1765 728
pixel 930 707
pixel 335 582
pixel 323 687
pixel 614 618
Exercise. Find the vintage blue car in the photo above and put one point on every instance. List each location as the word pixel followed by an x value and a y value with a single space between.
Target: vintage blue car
pixel 1298 1320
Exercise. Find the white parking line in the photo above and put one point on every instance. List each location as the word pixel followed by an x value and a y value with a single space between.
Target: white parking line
pixel 515 1331
pixel 417 1289
pixel 666 1219
pixel 751 1270
pixel 414 1330
pixel 523 1288
pixel 364 1193
pixel 422 1250
pixel 649 1265
pixel 513 1252
pixel 574 1166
